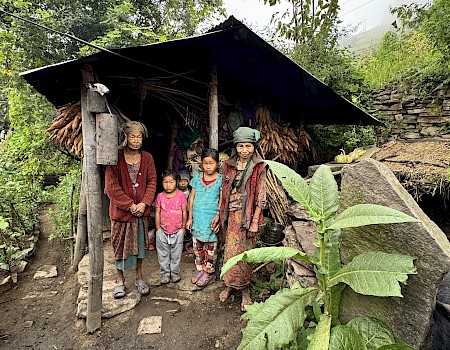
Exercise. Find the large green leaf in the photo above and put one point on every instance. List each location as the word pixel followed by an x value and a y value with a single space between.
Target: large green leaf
pixel 295 185
pixel 332 263
pixel 376 273
pixel 278 320
pixel 259 255
pixel 324 193
pixel 332 257
pixel 369 214
pixel 321 337
pixel 252 311
pixel 346 338
pixel 396 346
pixel 375 332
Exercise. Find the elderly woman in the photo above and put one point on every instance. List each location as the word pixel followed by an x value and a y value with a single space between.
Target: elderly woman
pixel 131 187
pixel 243 198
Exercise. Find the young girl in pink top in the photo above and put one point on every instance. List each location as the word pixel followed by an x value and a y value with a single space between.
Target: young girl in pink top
pixel 170 224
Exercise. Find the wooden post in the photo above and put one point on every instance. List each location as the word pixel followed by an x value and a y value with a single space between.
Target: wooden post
pixel 80 242
pixel 94 211
pixel 213 111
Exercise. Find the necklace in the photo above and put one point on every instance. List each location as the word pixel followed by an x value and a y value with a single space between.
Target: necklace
pixel 237 184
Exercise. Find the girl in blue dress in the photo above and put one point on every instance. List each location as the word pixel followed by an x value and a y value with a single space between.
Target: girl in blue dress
pixel 203 217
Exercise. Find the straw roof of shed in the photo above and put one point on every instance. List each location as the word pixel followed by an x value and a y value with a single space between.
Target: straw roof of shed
pixel 421 166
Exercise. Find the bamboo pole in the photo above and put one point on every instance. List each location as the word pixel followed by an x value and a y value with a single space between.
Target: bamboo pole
pixel 80 241
pixel 94 211
pixel 213 111
pixel 72 226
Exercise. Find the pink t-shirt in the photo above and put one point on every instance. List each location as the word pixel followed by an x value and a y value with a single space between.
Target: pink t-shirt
pixel 171 217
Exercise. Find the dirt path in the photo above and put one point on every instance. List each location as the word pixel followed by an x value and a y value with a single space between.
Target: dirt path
pixel 41 314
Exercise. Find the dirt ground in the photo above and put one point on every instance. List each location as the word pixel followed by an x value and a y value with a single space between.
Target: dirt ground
pixel 41 314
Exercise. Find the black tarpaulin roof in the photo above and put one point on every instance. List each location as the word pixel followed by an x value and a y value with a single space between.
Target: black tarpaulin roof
pixel 249 69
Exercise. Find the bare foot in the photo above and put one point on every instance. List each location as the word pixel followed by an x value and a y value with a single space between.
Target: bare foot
pixel 224 295
pixel 246 299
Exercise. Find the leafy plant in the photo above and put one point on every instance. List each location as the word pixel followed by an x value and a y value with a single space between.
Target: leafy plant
pixel 68 187
pixel 300 318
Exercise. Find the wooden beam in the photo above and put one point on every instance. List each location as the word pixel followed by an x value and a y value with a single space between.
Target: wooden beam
pixel 94 210
pixel 213 111
pixel 80 241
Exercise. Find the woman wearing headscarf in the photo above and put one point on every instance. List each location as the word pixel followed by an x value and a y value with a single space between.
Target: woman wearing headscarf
pixel 243 198
pixel 130 186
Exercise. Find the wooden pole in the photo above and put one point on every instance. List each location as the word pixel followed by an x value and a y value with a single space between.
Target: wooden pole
pixel 213 111
pixel 94 211
pixel 80 241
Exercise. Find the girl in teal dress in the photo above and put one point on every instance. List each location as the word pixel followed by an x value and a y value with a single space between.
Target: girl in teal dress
pixel 203 216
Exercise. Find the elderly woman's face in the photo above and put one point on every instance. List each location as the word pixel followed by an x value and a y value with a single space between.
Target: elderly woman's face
pixel 245 150
pixel 134 140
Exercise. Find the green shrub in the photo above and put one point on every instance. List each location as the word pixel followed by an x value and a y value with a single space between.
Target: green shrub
pixel 68 187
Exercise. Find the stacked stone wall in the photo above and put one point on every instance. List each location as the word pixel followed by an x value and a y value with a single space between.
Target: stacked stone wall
pixel 409 117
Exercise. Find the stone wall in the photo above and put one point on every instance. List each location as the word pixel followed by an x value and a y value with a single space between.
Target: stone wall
pixel 408 116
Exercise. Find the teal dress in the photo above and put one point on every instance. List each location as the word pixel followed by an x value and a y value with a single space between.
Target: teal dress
pixel 206 204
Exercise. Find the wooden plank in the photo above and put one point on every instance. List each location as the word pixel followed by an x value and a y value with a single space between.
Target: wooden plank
pixel 94 213
pixel 107 139
pixel 213 111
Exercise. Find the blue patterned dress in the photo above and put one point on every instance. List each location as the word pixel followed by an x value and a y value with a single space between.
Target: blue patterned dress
pixel 206 203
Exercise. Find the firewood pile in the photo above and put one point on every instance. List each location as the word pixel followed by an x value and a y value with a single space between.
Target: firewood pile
pixel 281 143
pixel 277 199
pixel 65 129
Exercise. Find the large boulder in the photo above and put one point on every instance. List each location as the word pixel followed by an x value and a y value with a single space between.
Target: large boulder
pixel 370 181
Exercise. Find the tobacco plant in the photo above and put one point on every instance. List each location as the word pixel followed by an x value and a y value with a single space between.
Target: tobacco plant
pixel 307 318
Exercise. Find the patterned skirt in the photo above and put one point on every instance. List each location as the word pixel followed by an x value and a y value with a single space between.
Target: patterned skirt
pixel 236 242
pixel 129 242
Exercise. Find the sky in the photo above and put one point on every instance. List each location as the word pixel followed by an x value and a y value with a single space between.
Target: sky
pixel 366 14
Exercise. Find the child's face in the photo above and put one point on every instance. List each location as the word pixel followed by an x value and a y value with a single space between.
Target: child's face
pixel 183 184
pixel 169 184
pixel 209 165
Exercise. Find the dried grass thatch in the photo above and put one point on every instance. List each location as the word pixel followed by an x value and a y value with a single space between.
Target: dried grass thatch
pixel 421 166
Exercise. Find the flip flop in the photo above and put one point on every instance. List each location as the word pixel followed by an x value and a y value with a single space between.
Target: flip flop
pixel 119 291
pixel 205 279
pixel 196 277
pixel 142 287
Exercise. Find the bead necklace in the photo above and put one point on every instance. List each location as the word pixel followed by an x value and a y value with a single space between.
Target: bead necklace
pixel 237 184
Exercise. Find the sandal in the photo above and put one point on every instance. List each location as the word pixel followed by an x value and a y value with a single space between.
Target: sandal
pixel 196 277
pixel 205 279
pixel 119 291
pixel 142 287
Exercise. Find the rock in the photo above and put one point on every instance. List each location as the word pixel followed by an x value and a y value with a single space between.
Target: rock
pixel 411 135
pixel 150 325
pixel 46 271
pixel 430 131
pixel 433 120
pixel 6 284
pixel 410 317
pixel 440 333
pixel 301 235
pixel 110 306
pixel 28 324
pixel 20 267
pixel 109 269
pixel 416 110
pixel 398 117
pixel 40 295
pixel 172 300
